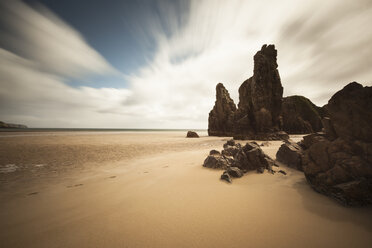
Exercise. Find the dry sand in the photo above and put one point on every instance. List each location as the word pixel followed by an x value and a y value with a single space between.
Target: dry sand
pixel 150 190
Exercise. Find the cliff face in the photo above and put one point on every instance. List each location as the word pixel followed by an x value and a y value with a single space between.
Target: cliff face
pixel 300 115
pixel 221 117
pixel 260 97
pixel 11 125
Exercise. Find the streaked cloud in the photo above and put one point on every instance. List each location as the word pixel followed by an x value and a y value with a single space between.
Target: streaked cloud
pixel 39 35
pixel 321 47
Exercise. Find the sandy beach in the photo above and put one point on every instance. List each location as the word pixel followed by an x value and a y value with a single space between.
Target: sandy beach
pixel 149 189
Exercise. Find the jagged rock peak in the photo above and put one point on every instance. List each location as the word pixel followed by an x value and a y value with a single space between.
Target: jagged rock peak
pixel 220 122
pixel 222 93
pixel 265 59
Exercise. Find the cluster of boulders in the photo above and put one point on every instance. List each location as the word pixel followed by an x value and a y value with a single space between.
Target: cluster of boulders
pixel 262 113
pixel 338 161
pixel 237 160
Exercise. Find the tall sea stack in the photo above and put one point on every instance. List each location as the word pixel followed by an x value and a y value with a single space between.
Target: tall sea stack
pixel 260 98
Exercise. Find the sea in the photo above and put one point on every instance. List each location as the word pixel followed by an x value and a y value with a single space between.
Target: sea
pixel 8 132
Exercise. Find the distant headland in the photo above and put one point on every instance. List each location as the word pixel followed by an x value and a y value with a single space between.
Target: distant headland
pixel 11 125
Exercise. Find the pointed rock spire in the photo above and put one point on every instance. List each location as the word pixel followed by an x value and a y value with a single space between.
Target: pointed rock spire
pixel 221 117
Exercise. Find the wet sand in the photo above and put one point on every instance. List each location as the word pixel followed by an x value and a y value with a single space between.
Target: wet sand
pixel 150 190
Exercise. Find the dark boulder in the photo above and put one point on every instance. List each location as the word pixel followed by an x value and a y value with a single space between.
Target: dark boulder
pixel 230 151
pixel 230 142
pixel 230 148
pixel 300 115
pixel 251 157
pixel 216 161
pixel 191 134
pixel 221 117
pixel 225 176
pixel 350 111
pixel 235 172
pixel 290 154
pixel 214 152
pixel 339 162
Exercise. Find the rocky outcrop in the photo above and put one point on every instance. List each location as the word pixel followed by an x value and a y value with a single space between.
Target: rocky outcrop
pixel 300 115
pixel 246 158
pixel 290 154
pixel 251 157
pixel 191 134
pixel 339 162
pixel 221 117
pixel 216 161
pixel 11 125
pixel 260 98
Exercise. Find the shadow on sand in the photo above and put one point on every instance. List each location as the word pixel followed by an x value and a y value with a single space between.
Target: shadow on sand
pixel 330 209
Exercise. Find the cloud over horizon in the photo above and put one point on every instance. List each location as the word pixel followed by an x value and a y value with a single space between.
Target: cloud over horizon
pixel 321 47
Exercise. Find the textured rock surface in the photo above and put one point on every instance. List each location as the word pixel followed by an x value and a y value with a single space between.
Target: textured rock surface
pixel 216 161
pixel 251 157
pixel 225 176
pixel 339 162
pixel 191 134
pixel 350 111
pixel 230 148
pixel 260 97
pixel 290 154
pixel 235 172
pixel 300 115
pixel 221 117
pixel 246 158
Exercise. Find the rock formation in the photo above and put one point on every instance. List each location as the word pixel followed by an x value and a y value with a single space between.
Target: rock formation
pixel 300 115
pixel 191 134
pixel 290 154
pixel 339 162
pixel 216 160
pixel 262 113
pixel 244 158
pixel 221 117
pixel 260 98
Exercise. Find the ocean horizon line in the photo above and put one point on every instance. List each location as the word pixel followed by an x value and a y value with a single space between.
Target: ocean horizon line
pixel 53 129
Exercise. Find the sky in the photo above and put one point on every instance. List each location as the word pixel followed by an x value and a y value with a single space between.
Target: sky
pixel 155 64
